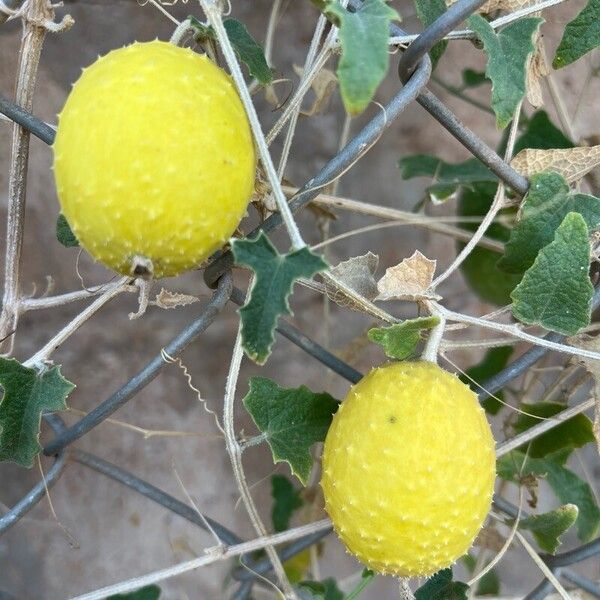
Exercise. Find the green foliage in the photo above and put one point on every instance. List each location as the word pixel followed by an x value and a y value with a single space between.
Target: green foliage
pixel 508 52
pixel 64 233
pixel 27 395
pixel 364 38
pixel 556 292
pixel 581 35
pixel 275 277
pixel 247 49
pixel 479 269
pixel 428 11
pixel 448 177
pixel 150 592
pixel 489 584
pixel 319 590
pixel 473 78
pixel 286 500
pixel 494 360
pixel 292 420
pixel 568 487
pixel 541 133
pixel 545 206
pixel 548 527
pixel 442 587
pixel 573 433
pixel 400 340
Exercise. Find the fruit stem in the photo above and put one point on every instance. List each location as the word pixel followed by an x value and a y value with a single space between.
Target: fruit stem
pixel 405 591
pixel 437 333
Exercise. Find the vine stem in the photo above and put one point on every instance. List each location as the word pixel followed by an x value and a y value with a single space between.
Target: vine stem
pixel 214 16
pixel 212 555
pixel 44 353
pixel 497 204
pixel 34 32
pixel 235 456
pixel 516 332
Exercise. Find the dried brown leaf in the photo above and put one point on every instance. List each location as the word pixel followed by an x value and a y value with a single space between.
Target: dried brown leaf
pixel 409 280
pixel 593 367
pixel 358 274
pixel 571 163
pixel 504 5
pixel 323 85
pixel 537 70
pixel 166 299
pixel 490 539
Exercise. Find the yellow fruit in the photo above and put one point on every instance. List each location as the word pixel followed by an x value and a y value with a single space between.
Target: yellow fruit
pixel 154 159
pixel 408 469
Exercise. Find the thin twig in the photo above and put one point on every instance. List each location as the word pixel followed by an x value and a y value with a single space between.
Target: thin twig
pixel 214 16
pixel 516 332
pixel 235 455
pixel 44 353
pixel 435 336
pixel 212 555
pixel 497 204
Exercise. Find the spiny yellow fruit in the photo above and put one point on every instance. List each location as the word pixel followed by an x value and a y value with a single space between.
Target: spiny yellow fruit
pixel 154 159
pixel 408 469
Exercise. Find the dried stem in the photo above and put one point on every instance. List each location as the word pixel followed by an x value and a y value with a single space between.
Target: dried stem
pixel 35 12
pixel 497 204
pixel 235 455
pixel 44 353
pixel 214 16
pixel 212 555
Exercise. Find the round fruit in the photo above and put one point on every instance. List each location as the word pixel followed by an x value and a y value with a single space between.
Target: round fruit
pixel 408 469
pixel 154 159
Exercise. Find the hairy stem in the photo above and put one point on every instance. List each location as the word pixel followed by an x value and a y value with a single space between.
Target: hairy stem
pixel 29 58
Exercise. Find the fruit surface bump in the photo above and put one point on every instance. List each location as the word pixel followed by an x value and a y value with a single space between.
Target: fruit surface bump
pixel 408 469
pixel 154 159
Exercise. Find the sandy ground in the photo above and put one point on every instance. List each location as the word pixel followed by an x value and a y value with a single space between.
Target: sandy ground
pixel 114 534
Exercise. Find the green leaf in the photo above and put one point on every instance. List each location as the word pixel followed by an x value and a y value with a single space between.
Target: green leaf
pixel 319 590
pixel 442 587
pixel 427 12
pixel 275 277
pixel 448 177
pixel 581 35
pixel 489 584
pixel 508 52
pixel 365 57
pixel 400 341
pixel 567 486
pixel 64 233
pixel 548 527
pixel 27 395
pixel 247 49
pixel 292 420
pixel 541 133
pixel 573 433
pixel 544 208
pixel 150 592
pixel 479 268
pixel 286 499
pixel 473 78
pixel 556 292
pixel 494 360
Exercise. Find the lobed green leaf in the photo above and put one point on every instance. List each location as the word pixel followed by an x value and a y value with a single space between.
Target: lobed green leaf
pixel 580 36
pixel 508 53
pixel 292 420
